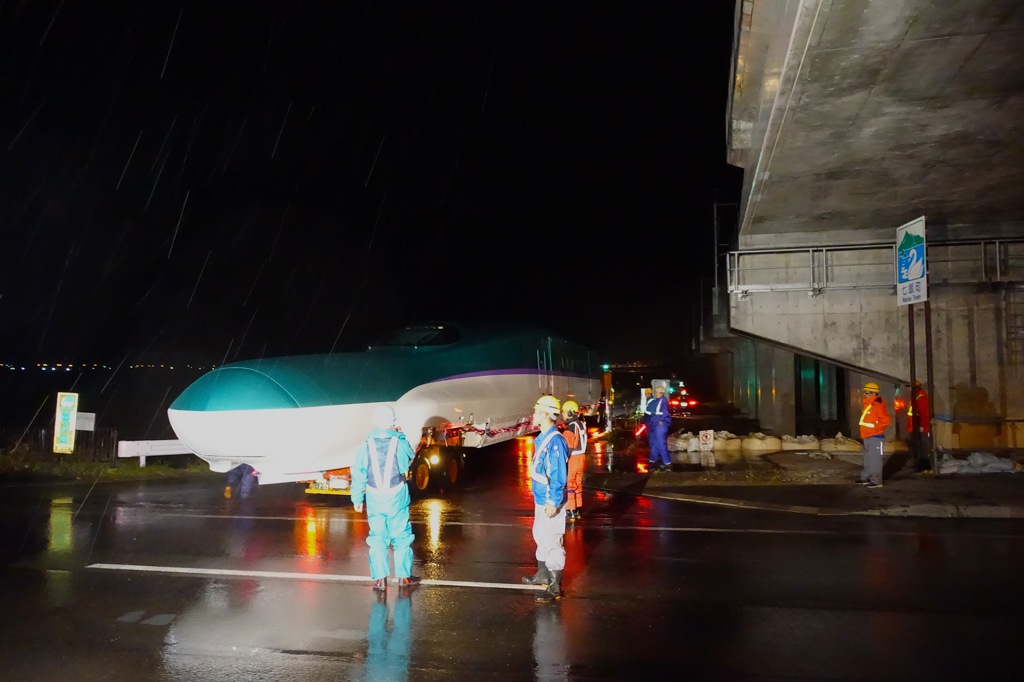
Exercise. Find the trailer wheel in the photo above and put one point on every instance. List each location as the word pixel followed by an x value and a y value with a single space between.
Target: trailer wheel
pixel 453 469
pixel 420 475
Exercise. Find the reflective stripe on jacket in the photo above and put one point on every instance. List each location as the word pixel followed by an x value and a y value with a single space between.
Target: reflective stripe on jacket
pixel 874 420
pixel 575 435
pixel 377 477
pixel 657 412
pixel 549 468
pixel 386 481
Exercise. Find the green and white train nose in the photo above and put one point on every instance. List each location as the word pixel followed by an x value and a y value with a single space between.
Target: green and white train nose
pixel 293 418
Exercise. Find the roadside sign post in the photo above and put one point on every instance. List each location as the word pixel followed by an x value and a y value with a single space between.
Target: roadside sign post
pixel 64 423
pixel 911 288
pixel 707 455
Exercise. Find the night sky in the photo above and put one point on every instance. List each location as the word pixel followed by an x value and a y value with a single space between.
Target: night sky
pixel 218 181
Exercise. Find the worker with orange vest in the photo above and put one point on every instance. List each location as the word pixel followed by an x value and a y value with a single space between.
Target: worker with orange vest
pixel 919 426
pixel 574 430
pixel 874 420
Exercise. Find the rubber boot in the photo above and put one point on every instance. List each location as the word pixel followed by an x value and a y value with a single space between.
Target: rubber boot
pixel 541 577
pixel 554 591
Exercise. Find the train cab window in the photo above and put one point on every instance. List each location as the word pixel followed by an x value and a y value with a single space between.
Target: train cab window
pixel 427 335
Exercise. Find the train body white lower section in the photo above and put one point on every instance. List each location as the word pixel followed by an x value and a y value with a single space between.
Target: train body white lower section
pixel 296 444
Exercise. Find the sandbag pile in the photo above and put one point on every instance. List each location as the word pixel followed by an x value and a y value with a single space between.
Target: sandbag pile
pixel 760 442
pixel 726 442
pixel 689 442
pixel 800 443
pixel 683 442
pixel 840 444
pixel 895 445
pixel 978 463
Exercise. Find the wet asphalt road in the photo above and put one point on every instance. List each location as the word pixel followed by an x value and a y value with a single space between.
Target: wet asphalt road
pixel 272 588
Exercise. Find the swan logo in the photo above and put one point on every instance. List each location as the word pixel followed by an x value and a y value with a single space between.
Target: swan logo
pixel 911 274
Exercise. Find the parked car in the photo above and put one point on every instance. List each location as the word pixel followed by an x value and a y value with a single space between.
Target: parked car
pixel 682 404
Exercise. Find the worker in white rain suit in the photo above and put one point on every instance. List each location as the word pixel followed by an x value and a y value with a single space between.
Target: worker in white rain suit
pixel 378 477
pixel 548 469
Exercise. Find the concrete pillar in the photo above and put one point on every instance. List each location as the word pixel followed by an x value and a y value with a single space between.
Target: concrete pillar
pixel 776 394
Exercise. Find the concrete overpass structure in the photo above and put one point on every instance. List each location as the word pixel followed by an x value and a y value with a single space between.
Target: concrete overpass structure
pixel 850 118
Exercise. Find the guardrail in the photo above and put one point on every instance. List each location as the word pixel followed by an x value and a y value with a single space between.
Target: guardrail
pixel 870 266
pixel 150 448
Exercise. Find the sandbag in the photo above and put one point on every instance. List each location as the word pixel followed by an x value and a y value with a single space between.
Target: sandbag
pixel 760 442
pixel 678 442
pixel 841 444
pixel 726 442
pixel 800 443
pixel 981 459
pixel 895 446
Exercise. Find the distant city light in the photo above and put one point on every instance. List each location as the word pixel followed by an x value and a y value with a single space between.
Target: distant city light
pixel 68 367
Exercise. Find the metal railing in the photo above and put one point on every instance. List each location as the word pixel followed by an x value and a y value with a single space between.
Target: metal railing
pixel 852 266
pixel 150 448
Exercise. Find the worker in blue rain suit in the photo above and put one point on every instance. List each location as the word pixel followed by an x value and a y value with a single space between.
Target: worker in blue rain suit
pixel 658 419
pixel 242 477
pixel 548 469
pixel 378 477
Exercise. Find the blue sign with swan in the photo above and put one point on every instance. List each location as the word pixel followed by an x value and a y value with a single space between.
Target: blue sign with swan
pixel 911 270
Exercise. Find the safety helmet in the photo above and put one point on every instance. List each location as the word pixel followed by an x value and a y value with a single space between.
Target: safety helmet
pixel 871 387
pixel 549 403
pixel 917 382
pixel 570 406
pixel 383 416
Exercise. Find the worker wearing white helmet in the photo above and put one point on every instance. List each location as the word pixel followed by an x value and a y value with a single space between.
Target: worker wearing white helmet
pixel 378 477
pixel 548 469
pixel 659 420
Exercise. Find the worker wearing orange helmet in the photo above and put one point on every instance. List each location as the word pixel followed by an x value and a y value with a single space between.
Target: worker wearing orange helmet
pixel 874 420
pixel 548 469
pixel 574 430
pixel 919 425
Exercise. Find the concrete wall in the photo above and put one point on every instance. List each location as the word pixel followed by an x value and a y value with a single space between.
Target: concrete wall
pixel 862 328
pixel 978 390
pixel 764 378
pixel 977 328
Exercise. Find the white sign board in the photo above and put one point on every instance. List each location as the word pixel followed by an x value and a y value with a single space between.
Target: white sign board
pixel 911 268
pixel 86 421
pixel 707 442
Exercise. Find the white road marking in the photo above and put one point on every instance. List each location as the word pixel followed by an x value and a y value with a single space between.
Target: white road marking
pixel 528 522
pixel 287 575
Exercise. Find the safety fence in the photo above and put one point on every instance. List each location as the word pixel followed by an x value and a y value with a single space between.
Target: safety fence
pixel 90 446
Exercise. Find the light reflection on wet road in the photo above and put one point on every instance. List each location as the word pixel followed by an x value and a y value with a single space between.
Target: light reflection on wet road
pixel 655 589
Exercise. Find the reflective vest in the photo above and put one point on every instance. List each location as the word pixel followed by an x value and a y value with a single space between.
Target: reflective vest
pixel 534 473
pixel 382 478
pixel 575 435
pixel 874 419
